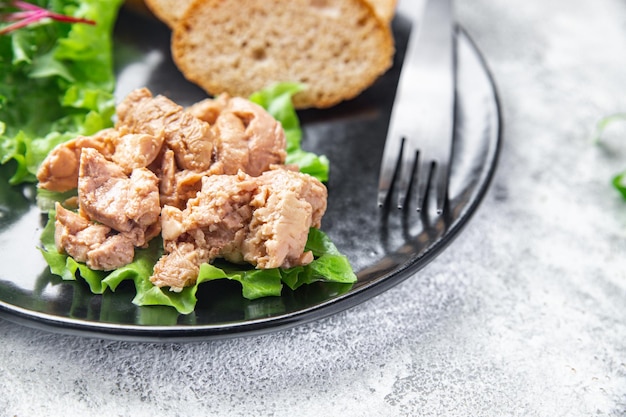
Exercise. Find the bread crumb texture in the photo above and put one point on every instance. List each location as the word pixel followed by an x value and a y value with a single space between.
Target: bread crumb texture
pixel 337 48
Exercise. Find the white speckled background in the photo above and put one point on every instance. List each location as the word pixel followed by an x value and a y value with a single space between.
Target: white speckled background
pixel 523 315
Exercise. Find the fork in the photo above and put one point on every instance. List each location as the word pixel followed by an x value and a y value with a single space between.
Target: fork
pixel 421 125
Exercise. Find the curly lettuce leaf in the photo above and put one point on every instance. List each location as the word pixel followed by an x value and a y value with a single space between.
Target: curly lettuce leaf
pixel 56 82
pixel 328 266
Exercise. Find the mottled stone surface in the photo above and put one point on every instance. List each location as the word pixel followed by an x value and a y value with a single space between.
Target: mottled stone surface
pixel 523 315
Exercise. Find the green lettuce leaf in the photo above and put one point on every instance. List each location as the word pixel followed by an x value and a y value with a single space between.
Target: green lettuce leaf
pixel 328 266
pixel 619 182
pixel 56 82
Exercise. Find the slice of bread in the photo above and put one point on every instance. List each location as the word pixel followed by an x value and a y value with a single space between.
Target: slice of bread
pixel 337 48
pixel 170 11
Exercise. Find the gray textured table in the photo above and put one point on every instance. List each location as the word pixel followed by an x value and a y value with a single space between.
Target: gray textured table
pixel 523 315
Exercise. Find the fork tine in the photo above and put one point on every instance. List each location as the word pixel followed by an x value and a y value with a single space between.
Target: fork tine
pixel 424 167
pixel 440 182
pixel 389 162
pixel 407 167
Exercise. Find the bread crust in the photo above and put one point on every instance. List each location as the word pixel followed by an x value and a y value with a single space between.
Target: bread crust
pixel 169 11
pixel 337 48
pixel 385 9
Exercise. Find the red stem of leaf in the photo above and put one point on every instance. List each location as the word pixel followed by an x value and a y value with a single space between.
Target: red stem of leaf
pixel 31 13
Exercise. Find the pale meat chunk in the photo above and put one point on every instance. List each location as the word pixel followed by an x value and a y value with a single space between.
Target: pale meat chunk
pixel 179 268
pixel 248 139
pixel 115 252
pixel 176 187
pixel 187 183
pixel 77 235
pixel 165 170
pixel 286 205
pixel 261 220
pixel 127 204
pixel 90 242
pixel 190 138
pixel 59 171
pixel 278 231
pixel 136 150
pixel 209 109
pixel 308 188
pixel 221 208
pixel 214 219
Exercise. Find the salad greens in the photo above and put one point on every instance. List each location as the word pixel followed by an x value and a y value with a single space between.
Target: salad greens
pixel 329 265
pixel 56 78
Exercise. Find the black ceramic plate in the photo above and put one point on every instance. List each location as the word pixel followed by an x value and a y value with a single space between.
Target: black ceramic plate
pixel 385 246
